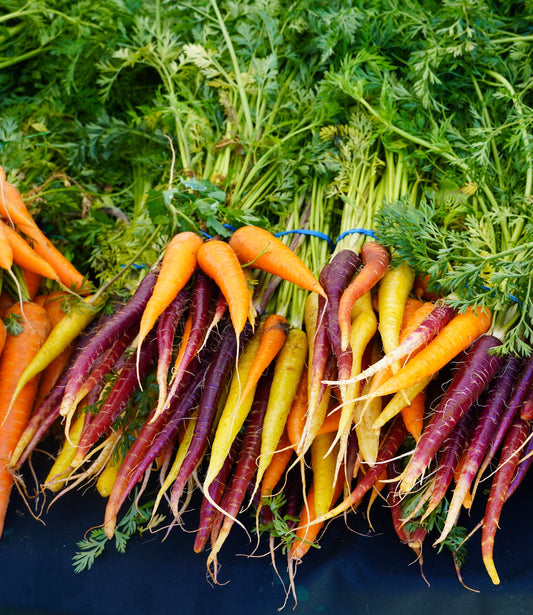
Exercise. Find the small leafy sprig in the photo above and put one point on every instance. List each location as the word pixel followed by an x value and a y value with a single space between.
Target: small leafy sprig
pixel 134 521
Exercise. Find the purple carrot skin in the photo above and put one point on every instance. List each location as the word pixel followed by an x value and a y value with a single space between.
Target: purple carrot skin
pixel 510 456
pixel 390 444
pixel 151 440
pixel 470 379
pixel 167 325
pixel 514 404
pixel 526 409
pixel 418 339
pixel 245 468
pixel 526 459
pixel 216 377
pixel 200 303
pixel 208 511
pixel 491 411
pixel 412 538
pixel 127 316
pixel 118 397
pixel 334 278
pixel 448 459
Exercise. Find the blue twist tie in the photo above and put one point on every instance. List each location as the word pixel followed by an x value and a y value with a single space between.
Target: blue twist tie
pixel 361 231
pixel 303 231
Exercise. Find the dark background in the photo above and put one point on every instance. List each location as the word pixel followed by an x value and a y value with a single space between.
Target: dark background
pixel 355 570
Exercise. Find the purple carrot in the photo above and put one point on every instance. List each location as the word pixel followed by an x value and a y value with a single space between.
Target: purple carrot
pixel 126 317
pixel 118 397
pixel 200 303
pixel 470 379
pixel 151 440
pixel 434 322
pixel 413 538
pixel 525 462
pixel 492 409
pixel 513 407
pixel 513 442
pixel 208 510
pixel 449 457
pixel 526 409
pixel 244 471
pixel 334 278
pixel 167 326
pixel 216 377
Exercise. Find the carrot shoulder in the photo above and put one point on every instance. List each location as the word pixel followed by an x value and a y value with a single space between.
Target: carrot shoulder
pixel 18 352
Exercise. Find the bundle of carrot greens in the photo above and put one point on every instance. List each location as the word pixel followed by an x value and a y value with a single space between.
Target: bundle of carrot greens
pixel 309 234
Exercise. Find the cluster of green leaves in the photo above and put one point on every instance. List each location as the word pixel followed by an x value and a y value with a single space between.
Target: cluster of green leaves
pixel 135 521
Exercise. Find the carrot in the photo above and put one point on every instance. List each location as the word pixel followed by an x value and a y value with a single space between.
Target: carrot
pixel 413 414
pixel 509 459
pixel 63 334
pixel 257 247
pixel 455 337
pixel 277 466
pixel 470 378
pixel 273 338
pixel 12 207
pixel 375 260
pixel 287 373
pixel 219 262
pixel 309 527
pixel 323 465
pixel 296 418
pixel 6 251
pixel 33 283
pixel 393 292
pixel 177 267
pixel 25 256
pixel 3 335
pixel 18 352
pixel 235 409
pixel 403 402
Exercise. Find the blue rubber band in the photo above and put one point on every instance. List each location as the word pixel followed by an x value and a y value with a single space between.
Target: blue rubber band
pixel 361 231
pixel 303 231
pixel 512 297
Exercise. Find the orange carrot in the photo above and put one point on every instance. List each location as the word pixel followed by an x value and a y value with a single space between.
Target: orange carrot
pixel 25 256
pixel 455 337
pixel 6 251
pixel 12 207
pixel 413 415
pixel 177 268
pixel 33 283
pixel 3 335
pixel 56 307
pixel 375 259
pixel 257 247
pixel 272 340
pixel 278 464
pixel 18 352
pixel 217 260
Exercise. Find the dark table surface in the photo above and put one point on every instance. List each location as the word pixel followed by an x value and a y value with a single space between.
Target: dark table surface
pixel 355 570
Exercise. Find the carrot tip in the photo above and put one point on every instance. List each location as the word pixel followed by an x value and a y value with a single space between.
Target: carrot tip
pixel 491 569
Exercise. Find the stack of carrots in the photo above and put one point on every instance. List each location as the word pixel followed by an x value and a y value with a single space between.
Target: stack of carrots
pixel 190 380
pixel 28 317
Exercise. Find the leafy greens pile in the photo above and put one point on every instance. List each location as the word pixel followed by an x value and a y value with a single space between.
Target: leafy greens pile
pixel 125 121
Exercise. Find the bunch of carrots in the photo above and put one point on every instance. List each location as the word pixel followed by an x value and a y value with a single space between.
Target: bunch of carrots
pixel 192 378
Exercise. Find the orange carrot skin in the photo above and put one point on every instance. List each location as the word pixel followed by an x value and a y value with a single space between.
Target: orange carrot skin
pixel 413 415
pixel 217 259
pixel 16 356
pixel 455 337
pixel 3 336
pixel 25 256
pixel 257 247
